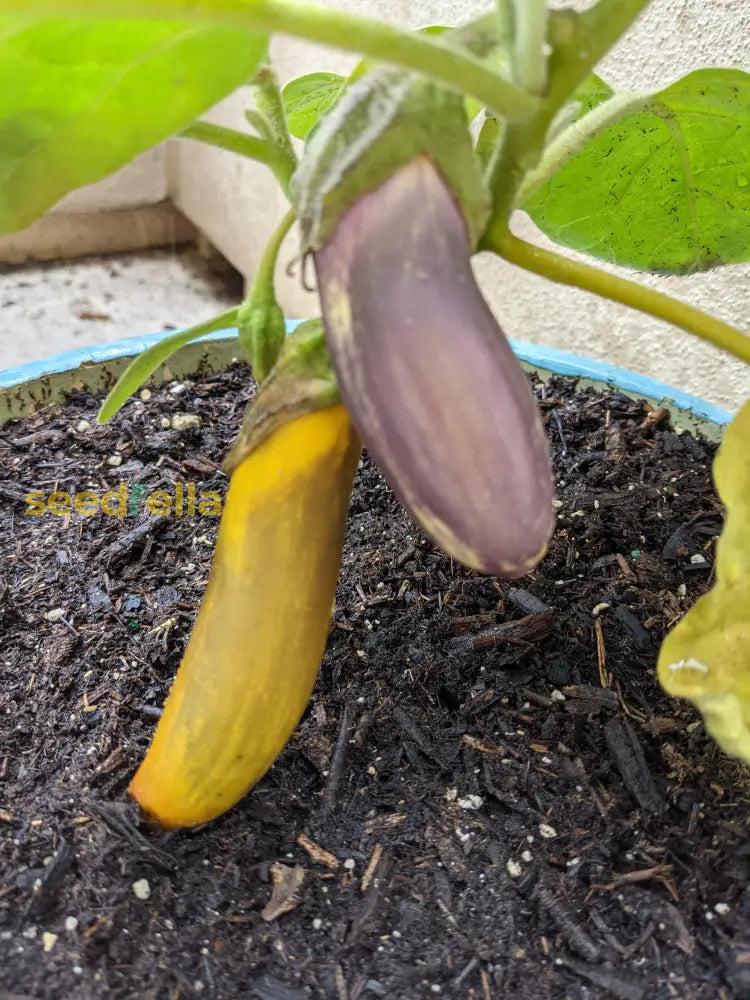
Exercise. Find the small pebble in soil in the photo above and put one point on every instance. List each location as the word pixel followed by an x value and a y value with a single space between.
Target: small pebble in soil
pixel 49 940
pixel 471 802
pixel 185 421
pixel 115 461
pixel 141 889
pixel 71 924
pixel 55 615
pixel 513 868
pixel 547 831
pixel 82 426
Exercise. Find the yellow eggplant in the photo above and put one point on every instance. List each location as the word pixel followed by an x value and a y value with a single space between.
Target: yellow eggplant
pixel 259 637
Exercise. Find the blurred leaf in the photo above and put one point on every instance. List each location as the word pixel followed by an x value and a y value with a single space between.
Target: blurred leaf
pixel 308 97
pixel 665 189
pixel 80 98
pixel 143 367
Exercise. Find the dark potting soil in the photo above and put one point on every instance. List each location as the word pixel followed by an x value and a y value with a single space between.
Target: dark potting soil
pixel 488 797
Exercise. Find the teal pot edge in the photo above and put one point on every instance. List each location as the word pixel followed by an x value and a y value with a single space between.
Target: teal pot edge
pixel 37 384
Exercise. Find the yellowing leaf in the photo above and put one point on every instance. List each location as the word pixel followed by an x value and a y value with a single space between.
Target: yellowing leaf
pixel 706 657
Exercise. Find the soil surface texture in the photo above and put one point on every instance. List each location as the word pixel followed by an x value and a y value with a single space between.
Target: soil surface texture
pixel 488 798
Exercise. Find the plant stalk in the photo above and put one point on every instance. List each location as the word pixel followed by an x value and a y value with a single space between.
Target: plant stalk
pixel 630 293
pixel 270 106
pixel 267 265
pixel 578 43
pixel 530 39
pixel 244 144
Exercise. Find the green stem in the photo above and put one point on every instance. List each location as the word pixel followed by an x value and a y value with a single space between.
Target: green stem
pixel 350 32
pixel 578 43
pixel 246 145
pixel 629 293
pixel 267 266
pixel 529 56
pixel 578 135
pixel 581 43
pixel 231 139
pixel 270 106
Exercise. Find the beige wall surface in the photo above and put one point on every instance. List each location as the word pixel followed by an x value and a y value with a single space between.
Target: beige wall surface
pixel 127 210
pixel 237 203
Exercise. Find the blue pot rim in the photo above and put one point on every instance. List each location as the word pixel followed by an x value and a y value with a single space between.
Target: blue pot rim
pixel 548 358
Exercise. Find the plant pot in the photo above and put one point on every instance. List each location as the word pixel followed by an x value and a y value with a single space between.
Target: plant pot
pixel 487 790
pixel 31 386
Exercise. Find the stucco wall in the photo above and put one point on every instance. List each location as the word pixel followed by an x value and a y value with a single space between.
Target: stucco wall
pixel 236 203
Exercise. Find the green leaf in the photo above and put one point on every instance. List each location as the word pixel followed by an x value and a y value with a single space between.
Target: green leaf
pixel 665 189
pixel 308 97
pixel 592 92
pixel 143 367
pixel 80 98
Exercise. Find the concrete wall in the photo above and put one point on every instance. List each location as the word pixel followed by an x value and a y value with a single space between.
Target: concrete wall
pixel 128 210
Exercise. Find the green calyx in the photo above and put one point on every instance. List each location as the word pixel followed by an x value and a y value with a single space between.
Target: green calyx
pixel 383 121
pixel 300 382
pixel 261 329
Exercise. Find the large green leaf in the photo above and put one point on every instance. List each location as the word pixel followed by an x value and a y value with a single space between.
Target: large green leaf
pixel 80 98
pixel 667 188
pixel 308 97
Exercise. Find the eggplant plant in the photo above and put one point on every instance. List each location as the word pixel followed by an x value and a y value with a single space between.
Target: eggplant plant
pixel 400 173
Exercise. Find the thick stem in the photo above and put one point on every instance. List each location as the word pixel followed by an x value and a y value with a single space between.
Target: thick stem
pixel 529 56
pixel 629 293
pixel 598 30
pixel 350 32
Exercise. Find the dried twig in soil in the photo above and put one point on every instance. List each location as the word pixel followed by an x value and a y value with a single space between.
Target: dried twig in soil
pixel 529 630
pixel 124 544
pixel 627 753
pixel 337 761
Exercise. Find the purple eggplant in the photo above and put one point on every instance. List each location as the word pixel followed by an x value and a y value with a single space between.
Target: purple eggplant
pixel 429 378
